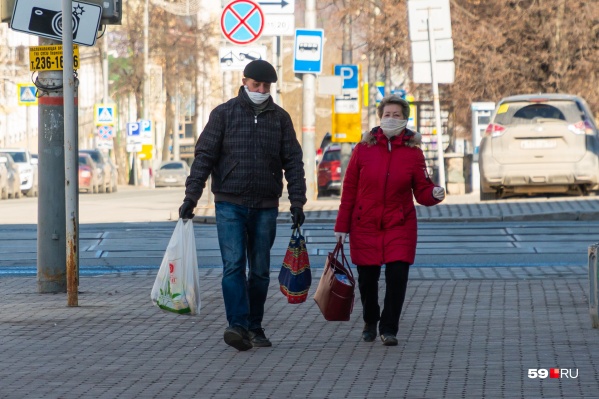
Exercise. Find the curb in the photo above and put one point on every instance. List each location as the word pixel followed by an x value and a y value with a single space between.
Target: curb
pixel 331 218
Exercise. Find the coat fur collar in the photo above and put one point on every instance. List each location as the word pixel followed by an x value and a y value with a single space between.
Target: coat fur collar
pixel 409 137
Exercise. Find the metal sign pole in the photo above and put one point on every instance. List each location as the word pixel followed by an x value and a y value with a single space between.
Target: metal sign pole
pixel 437 106
pixel 71 157
pixel 309 118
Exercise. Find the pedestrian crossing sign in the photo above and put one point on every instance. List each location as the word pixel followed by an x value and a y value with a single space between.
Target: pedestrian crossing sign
pixel 27 94
pixel 104 114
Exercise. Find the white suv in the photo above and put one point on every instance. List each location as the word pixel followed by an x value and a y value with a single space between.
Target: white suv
pixel 539 143
pixel 27 169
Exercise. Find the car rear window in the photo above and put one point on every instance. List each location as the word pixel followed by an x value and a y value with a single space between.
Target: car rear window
pixel 523 113
pixel 331 156
pixel 17 156
pixel 172 166
pixel 95 156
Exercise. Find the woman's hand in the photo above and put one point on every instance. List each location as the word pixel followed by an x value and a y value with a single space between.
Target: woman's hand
pixel 439 193
pixel 340 236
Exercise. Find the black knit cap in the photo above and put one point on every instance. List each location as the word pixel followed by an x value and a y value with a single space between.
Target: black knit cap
pixel 260 71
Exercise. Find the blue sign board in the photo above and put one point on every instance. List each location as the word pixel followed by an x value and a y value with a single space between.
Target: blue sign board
pixel 350 75
pixel 307 52
pixel 242 21
pixel 104 114
pixel 133 129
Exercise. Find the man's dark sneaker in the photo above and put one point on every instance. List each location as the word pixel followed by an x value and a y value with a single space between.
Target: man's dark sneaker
pixel 369 332
pixel 258 339
pixel 388 339
pixel 238 338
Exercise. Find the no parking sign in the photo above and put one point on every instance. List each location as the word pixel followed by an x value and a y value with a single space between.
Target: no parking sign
pixel 105 132
pixel 242 21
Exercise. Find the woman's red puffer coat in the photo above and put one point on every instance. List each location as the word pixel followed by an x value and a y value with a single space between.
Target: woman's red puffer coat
pixel 377 203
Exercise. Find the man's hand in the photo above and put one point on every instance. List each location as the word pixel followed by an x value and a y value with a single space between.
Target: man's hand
pixel 439 193
pixel 186 210
pixel 340 236
pixel 297 216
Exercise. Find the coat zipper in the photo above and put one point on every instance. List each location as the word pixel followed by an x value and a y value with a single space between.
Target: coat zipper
pixel 384 193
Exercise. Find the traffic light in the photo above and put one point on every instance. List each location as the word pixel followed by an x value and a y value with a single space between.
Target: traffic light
pixel 112 10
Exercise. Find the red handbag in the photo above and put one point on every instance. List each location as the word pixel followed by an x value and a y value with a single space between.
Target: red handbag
pixel 335 292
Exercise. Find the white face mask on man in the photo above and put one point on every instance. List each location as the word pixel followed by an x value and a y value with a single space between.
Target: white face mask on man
pixel 392 127
pixel 256 97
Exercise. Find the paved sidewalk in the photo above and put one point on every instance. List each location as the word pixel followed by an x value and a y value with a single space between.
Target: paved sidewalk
pixel 455 208
pixel 465 333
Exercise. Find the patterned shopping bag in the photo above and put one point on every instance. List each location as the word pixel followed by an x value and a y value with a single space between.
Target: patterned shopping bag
pixel 295 277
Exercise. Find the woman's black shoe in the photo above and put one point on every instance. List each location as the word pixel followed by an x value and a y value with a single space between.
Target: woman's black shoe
pixel 369 332
pixel 388 339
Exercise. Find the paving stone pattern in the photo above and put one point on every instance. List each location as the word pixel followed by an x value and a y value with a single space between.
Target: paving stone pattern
pixel 464 333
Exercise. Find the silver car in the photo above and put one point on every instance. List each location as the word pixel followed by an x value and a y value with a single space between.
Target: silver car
pixel 541 143
pixel 13 177
pixel 171 173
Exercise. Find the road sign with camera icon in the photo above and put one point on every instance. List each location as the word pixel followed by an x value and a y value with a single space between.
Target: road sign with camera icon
pixel 45 19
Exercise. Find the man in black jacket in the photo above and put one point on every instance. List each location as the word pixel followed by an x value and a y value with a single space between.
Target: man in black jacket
pixel 246 145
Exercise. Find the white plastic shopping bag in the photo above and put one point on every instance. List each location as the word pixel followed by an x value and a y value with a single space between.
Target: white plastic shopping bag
pixel 177 285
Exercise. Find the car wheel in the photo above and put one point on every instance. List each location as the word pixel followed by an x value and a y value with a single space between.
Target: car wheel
pixel 17 193
pixel 323 192
pixel 4 193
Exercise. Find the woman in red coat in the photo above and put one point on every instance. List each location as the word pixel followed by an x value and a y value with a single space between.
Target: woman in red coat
pixel 386 171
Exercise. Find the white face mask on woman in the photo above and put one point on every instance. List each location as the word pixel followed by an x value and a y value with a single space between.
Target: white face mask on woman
pixel 256 97
pixel 392 127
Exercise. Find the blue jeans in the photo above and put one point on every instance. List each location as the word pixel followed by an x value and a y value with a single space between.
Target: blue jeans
pixel 245 236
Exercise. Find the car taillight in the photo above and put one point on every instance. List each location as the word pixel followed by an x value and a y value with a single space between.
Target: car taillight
pixel 582 127
pixel 494 130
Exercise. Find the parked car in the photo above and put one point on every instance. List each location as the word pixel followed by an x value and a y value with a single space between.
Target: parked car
pixel 27 169
pixel 13 176
pixel 104 170
pixel 329 171
pixel 541 143
pixel 3 182
pixel 171 173
pixel 88 174
pixel 326 141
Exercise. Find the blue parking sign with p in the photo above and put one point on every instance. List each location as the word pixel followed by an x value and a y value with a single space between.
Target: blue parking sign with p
pixel 133 129
pixel 350 76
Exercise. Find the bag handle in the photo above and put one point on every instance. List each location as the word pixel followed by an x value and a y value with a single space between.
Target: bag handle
pixel 339 251
pixel 296 230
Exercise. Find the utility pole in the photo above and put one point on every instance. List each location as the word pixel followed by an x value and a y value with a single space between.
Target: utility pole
pixel 346 58
pixel 51 213
pixel 309 117
pixel 71 157
pixel 372 70
pixel 436 104
pixel 105 98
pixel 175 100
pixel 146 85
